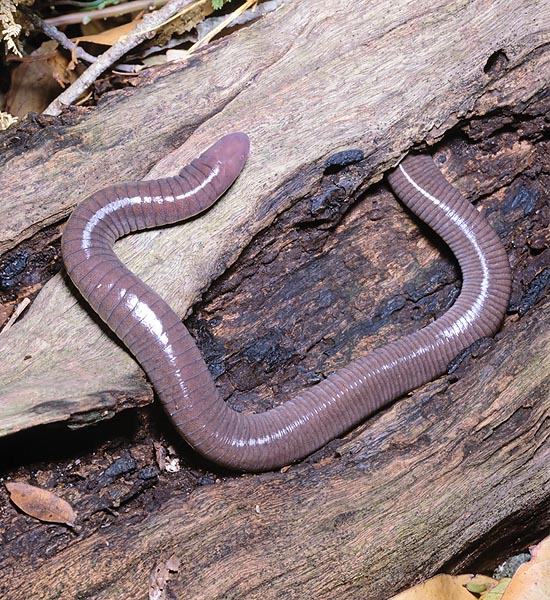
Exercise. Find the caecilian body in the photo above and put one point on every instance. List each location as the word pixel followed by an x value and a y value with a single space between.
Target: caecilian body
pixel 168 354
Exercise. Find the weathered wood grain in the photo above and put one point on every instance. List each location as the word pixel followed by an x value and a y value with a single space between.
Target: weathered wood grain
pixel 453 473
pixel 351 75
pixel 423 488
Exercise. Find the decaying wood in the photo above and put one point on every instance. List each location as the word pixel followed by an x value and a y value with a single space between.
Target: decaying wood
pixel 436 481
pixel 330 80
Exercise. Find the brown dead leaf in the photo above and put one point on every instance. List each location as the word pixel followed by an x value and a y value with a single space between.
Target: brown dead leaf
pixel 108 37
pixel 159 577
pixel 541 552
pixel 38 80
pixel 532 580
pixel 444 586
pixel 41 504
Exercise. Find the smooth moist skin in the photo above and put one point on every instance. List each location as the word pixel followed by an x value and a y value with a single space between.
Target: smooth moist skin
pixel 166 351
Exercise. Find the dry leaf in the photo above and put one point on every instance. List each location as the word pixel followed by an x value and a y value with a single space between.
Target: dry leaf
pixel 444 586
pixel 109 36
pixel 496 592
pixel 532 580
pixel 159 578
pixel 40 504
pixel 165 458
pixel 38 80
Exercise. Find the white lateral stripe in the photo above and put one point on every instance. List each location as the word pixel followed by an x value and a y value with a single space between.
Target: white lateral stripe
pixel 473 312
pixel 120 203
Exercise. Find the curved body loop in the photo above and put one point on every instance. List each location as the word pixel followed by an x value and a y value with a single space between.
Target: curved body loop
pixel 168 354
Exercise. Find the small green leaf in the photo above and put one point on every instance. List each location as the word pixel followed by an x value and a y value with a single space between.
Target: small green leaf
pixel 477 588
pixel 217 4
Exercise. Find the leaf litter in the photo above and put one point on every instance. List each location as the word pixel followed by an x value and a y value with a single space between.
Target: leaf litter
pixel 40 503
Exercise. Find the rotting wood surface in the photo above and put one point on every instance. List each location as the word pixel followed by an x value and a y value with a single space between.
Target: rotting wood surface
pixel 437 480
pixel 468 452
pixel 334 79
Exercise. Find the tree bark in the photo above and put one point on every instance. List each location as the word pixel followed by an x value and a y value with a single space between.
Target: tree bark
pixel 436 481
pixel 439 479
pixel 346 76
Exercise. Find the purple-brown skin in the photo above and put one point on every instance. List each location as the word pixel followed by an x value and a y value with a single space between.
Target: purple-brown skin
pixel 166 351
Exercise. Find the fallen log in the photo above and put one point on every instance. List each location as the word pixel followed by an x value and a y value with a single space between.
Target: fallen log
pixel 285 257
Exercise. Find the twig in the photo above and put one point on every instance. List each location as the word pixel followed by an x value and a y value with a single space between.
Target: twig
pixel 229 19
pixel 104 13
pixel 15 315
pixel 206 26
pixel 52 32
pixel 138 34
